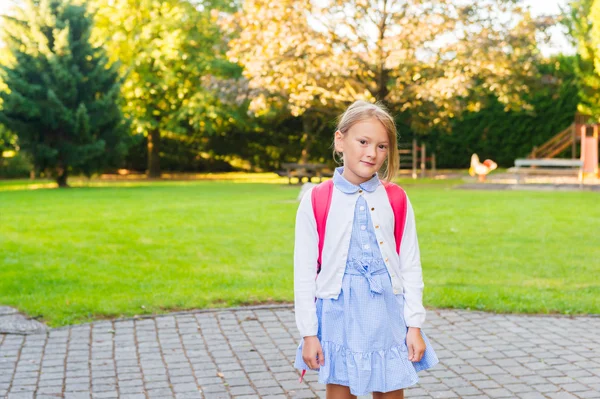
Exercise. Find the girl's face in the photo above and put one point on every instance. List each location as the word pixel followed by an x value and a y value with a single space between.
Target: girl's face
pixel 364 148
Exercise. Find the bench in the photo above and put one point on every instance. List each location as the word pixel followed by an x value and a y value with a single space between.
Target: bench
pixel 302 171
pixel 548 166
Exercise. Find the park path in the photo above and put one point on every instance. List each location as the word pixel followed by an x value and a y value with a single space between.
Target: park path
pixel 248 353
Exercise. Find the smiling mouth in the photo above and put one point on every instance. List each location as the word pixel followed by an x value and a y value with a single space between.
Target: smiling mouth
pixel 368 163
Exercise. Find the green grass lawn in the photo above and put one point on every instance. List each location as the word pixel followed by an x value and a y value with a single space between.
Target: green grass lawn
pixel 121 249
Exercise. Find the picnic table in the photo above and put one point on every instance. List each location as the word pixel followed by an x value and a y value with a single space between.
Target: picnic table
pixel 303 170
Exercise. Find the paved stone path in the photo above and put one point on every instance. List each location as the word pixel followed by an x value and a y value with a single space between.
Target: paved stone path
pixel 12 322
pixel 248 353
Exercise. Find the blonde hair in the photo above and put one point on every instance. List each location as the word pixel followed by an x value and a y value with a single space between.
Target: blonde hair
pixel 362 110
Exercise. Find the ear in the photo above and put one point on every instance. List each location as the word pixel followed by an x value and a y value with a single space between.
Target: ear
pixel 338 141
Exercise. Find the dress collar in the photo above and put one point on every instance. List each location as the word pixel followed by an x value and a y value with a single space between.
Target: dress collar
pixel 348 188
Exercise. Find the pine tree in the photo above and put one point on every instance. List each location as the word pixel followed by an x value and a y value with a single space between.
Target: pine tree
pixel 62 97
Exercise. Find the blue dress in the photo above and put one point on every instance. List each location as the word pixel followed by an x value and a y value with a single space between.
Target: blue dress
pixel 363 332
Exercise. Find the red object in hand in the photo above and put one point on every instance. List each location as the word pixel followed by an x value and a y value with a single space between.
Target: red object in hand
pixel 302 375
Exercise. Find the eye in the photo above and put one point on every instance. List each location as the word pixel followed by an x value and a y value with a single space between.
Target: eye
pixel 363 142
pixel 383 147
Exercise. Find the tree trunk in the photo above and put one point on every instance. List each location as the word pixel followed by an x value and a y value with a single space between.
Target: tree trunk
pixel 382 90
pixel 382 75
pixel 307 138
pixel 61 179
pixel 154 154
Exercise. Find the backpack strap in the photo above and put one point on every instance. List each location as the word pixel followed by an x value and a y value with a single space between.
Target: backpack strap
pixel 397 197
pixel 321 201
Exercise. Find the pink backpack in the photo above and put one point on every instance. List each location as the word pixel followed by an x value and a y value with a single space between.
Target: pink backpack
pixel 321 202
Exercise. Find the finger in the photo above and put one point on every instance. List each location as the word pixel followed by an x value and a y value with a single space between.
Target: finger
pixel 416 355
pixel 321 357
pixel 309 363
pixel 411 352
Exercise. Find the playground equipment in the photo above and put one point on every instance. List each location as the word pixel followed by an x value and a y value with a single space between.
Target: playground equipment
pixel 481 169
pixel 413 156
pixel 589 150
pixel 579 131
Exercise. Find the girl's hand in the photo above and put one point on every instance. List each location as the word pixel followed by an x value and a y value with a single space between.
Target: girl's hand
pixel 415 343
pixel 312 353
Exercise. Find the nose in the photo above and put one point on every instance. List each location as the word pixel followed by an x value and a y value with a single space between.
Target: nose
pixel 371 151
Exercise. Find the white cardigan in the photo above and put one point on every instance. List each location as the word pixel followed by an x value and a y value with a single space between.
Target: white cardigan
pixel 405 270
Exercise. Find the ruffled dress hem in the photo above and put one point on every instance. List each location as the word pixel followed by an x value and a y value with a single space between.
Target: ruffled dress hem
pixel 369 371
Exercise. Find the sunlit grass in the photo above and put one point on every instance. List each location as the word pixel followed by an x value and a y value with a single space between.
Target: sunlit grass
pixel 141 180
pixel 124 248
pixel 172 178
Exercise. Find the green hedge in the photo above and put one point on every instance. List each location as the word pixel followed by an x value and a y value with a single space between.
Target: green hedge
pixel 504 136
pixel 15 167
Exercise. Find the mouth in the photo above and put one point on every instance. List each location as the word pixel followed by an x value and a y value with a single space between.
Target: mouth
pixel 368 163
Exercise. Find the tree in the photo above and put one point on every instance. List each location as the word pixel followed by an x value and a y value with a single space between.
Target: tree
pixel 61 97
pixel 583 22
pixel 494 133
pixel 7 138
pixel 166 48
pixel 427 60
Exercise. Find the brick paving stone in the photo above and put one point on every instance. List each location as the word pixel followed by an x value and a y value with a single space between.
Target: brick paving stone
pixel 131 390
pixel 466 391
pixel 77 395
pixel 482 384
pixel 188 395
pixel 237 382
pixel 133 396
pixel 475 377
pixel 561 395
pixel 518 388
pixel 444 395
pixel 248 353
pixel 213 389
pixel 242 390
pixel 217 396
pixel 159 393
pixel 304 393
pixel 265 383
pixel 589 394
pixel 105 395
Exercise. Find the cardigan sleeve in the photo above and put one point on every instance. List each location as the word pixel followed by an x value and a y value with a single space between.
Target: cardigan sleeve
pixel 306 251
pixel 411 273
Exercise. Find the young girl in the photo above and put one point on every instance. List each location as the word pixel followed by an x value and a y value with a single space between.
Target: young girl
pixel 363 331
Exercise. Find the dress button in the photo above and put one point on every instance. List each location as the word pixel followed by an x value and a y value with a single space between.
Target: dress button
pixel 363 227
pixel 362 208
pixel 396 292
pixel 380 242
pixel 377 226
pixel 360 191
pixel 372 209
pixel 366 246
